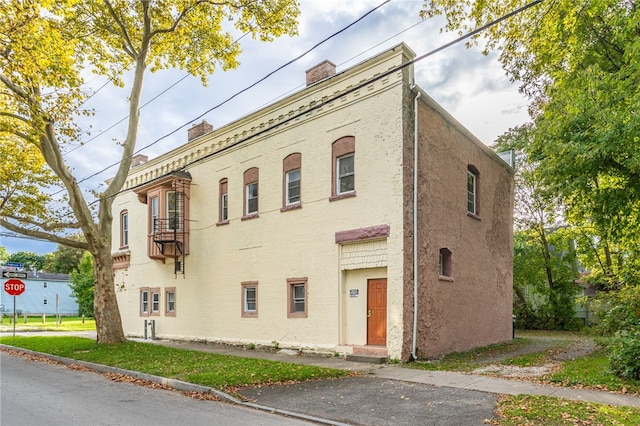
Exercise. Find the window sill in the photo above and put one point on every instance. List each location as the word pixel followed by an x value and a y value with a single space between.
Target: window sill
pixel 124 247
pixel 342 196
pixel 473 216
pixel 445 278
pixel 297 315
pixel 249 315
pixel 222 222
pixel 250 216
pixel 170 314
pixel 291 207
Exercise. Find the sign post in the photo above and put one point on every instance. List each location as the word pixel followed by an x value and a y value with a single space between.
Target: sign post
pixel 14 287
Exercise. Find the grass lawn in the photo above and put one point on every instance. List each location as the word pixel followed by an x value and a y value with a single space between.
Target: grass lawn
pixel 35 323
pixel 217 371
pixel 540 410
pixel 591 371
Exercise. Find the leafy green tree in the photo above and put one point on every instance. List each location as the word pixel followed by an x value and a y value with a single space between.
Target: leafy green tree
pixel 3 254
pixel 28 259
pixel 545 266
pixel 578 63
pixel 64 260
pixel 47 50
pixel 82 285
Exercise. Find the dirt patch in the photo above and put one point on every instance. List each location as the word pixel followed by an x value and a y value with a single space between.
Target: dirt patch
pixel 557 350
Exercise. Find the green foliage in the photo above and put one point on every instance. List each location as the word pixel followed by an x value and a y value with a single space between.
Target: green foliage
pixel 82 285
pixel 538 302
pixel 618 310
pixel 624 354
pixel 3 254
pixel 203 368
pixel 29 259
pixel 592 371
pixel 64 260
pixel 542 410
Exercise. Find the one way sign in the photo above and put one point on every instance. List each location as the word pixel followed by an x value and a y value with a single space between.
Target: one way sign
pixel 12 274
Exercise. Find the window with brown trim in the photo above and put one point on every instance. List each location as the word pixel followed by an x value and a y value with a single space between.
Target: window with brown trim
pixel 124 229
pixel 155 301
pixel 297 298
pixel 144 302
pixel 170 301
pixel 343 168
pixel 249 299
pixel 291 193
pixel 223 200
pixel 473 180
pixel 251 177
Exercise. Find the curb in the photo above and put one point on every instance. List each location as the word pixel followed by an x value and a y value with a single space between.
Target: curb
pixel 174 384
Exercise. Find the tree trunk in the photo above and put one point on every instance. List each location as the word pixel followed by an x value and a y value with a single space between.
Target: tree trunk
pixel 105 305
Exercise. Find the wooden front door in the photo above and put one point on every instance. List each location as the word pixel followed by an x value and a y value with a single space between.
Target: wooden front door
pixel 377 312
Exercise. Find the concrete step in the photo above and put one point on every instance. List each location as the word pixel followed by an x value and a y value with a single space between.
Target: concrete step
pixel 380 351
pixel 371 359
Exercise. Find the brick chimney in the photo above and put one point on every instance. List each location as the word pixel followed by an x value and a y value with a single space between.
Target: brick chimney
pixel 198 130
pixel 136 160
pixel 324 69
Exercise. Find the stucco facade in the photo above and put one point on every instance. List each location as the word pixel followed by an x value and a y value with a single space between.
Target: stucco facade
pixel 317 218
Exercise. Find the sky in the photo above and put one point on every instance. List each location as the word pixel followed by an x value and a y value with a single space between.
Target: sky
pixel 469 85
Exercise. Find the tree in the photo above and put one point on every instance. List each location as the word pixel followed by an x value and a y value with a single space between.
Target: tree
pixel 64 259
pixel 47 47
pixel 82 285
pixel 578 62
pixel 3 255
pixel 544 250
pixel 28 259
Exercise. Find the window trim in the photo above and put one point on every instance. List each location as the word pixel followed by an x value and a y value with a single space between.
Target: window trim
pixel 141 302
pixel 291 284
pixel 154 311
pixel 124 229
pixel 223 202
pixel 290 164
pixel 167 312
pixel 342 148
pixel 251 177
pixel 473 196
pixel 244 312
pixel 288 182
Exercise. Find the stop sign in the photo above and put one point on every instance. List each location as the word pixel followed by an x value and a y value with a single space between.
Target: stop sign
pixel 14 287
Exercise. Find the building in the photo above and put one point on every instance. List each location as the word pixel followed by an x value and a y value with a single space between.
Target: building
pixel 45 293
pixel 293 226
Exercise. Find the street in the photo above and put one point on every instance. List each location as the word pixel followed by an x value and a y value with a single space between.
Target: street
pixel 37 393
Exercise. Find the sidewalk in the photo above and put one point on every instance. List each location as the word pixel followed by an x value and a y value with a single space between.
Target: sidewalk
pixel 387 394
pixel 435 378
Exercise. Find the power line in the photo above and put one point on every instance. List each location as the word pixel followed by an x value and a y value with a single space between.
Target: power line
pixel 350 90
pixel 241 91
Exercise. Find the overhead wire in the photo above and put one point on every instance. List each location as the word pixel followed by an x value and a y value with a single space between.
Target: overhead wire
pixel 241 91
pixel 351 89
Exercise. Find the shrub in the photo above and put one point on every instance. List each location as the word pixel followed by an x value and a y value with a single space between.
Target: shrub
pixel 618 310
pixel 624 351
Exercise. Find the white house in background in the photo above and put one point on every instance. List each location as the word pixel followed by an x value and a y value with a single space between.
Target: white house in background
pixel 295 224
pixel 45 293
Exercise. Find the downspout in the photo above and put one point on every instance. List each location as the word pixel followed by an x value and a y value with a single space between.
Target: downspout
pixel 414 356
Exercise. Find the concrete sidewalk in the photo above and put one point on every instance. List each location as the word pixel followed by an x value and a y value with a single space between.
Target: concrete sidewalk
pixel 435 378
pixel 394 372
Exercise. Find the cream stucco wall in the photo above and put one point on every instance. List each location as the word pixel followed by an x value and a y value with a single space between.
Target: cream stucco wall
pixel 280 244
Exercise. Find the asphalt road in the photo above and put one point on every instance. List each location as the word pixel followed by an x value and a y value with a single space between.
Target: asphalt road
pixel 36 393
pixel 380 402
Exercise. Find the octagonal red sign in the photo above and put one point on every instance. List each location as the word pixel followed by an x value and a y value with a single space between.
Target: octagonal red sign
pixel 14 287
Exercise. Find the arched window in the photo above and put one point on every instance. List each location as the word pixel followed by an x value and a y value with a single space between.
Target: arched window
pixel 292 179
pixel 473 180
pixel 251 193
pixel 343 157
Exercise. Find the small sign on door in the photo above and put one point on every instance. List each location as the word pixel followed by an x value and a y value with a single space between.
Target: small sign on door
pixel 353 292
